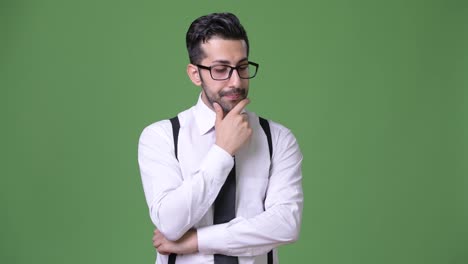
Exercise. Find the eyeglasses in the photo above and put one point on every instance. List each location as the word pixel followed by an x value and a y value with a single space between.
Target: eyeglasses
pixel 224 72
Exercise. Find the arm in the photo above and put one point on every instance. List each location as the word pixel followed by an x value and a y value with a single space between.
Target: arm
pixel 167 193
pixel 187 244
pixel 279 223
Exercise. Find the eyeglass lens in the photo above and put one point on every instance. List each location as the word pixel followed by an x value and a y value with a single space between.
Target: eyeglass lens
pixel 223 71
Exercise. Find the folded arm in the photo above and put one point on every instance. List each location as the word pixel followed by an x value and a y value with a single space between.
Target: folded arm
pixel 177 204
pixel 280 222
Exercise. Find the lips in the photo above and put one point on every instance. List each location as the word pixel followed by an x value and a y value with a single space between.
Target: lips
pixel 235 96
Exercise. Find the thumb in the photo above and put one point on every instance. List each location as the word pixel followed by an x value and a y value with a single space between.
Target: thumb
pixel 219 113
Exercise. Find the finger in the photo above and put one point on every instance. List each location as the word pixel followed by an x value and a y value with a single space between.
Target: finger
pixel 219 112
pixel 164 252
pixel 159 241
pixel 245 116
pixel 156 244
pixel 156 236
pixel 161 250
pixel 164 249
pixel 240 106
pixel 156 241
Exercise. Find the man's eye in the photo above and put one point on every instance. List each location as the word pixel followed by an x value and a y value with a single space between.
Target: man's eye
pixel 243 67
pixel 220 69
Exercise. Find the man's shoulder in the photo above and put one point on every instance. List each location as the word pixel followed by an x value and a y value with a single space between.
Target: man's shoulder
pixel 275 127
pixel 283 139
pixel 165 123
pixel 157 130
pixel 163 128
pixel 280 134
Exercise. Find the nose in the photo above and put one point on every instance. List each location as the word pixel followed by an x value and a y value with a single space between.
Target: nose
pixel 235 80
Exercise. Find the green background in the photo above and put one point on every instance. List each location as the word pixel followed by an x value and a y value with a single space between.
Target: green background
pixel 375 92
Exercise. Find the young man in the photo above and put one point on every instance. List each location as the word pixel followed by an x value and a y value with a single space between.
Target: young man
pixel 225 188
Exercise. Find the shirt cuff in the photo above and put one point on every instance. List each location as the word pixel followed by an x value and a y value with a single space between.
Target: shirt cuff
pixel 213 239
pixel 218 162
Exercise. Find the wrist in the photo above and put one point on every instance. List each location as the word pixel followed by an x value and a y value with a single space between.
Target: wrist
pixel 194 242
pixel 228 150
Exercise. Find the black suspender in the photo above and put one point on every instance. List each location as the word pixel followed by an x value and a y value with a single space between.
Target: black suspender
pixel 175 133
pixel 266 128
pixel 263 123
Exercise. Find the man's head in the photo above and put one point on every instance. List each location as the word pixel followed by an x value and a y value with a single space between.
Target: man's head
pixel 218 49
pixel 222 25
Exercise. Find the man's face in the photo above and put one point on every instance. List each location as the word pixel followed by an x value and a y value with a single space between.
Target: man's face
pixel 226 93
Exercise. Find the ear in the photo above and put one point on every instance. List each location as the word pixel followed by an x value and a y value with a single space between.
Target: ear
pixel 194 74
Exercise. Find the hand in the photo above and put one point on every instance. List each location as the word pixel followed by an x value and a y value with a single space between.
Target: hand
pixel 232 130
pixel 187 244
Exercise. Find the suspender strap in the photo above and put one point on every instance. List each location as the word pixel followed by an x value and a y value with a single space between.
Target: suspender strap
pixel 266 128
pixel 175 133
pixel 270 257
pixel 172 258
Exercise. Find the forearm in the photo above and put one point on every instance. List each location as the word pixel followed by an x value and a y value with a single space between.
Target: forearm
pixel 280 222
pixel 179 207
pixel 253 236
pixel 187 244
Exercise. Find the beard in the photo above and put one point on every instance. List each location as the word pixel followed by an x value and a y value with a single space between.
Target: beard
pixel 220 97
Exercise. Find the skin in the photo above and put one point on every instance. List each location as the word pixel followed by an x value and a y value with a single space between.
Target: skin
pixel 187 244
pixel 227 93
pixel 227 99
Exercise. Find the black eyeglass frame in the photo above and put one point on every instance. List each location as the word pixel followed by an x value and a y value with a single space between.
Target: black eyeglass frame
pixel 230 72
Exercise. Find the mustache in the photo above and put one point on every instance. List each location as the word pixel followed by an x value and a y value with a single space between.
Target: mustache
pixel 234 91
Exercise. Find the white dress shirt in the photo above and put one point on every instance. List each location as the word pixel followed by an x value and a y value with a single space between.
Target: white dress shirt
pixel 180 193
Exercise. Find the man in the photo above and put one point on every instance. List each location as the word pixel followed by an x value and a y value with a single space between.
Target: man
pixel 219 191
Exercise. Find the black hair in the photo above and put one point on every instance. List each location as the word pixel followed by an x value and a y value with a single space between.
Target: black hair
pixel 202 29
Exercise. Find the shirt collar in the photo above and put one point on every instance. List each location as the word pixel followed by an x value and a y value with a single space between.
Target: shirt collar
pixel 204 116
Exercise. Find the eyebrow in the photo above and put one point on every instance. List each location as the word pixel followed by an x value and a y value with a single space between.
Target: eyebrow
pixel 228 62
